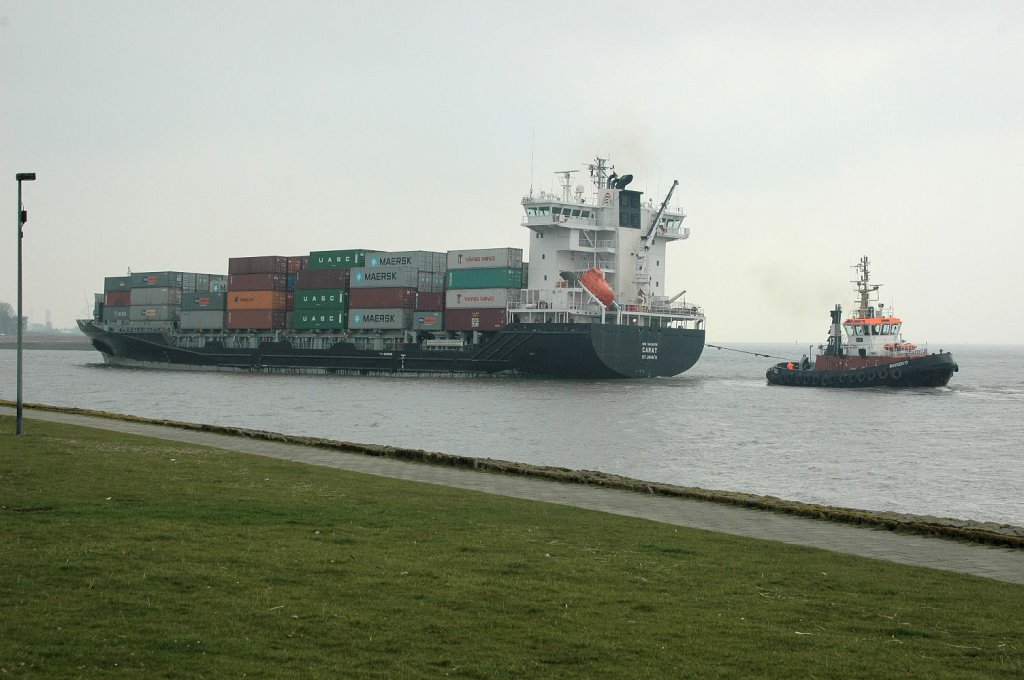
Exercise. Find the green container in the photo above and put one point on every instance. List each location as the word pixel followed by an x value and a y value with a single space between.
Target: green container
pixel 319 319
pixel 338 259
pixel 322 298
pixel 461 279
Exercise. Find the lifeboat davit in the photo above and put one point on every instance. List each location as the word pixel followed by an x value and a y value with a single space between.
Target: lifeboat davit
pixel 594 281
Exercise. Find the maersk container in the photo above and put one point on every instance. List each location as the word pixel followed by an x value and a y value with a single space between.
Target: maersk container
pixel 338 259
pixel 155 296
pixel 485 278
pixel 197 302
pixel 490 258
pixel 421 260
pixel 263 264
pixel 153 312
pixel 379 319
pixel 487 298
pixel 115 313
pixel 119 298
pixel 218 284
pixel 317 279
pixel 475 319
pixel 258 282
pixel 156 279
pixel 116 283
pixel 380 298
pixel 257 299
pixel 384 277
pixel 428 321
pixel 255 319
pixel 429 301
pixel 319 319
pixel 201 319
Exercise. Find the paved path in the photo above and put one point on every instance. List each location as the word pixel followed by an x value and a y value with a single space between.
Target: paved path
pixel 1004 564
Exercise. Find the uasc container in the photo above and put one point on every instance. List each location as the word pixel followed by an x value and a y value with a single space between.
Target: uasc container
pixel 338 259
pixel 319 319
pixel 325 298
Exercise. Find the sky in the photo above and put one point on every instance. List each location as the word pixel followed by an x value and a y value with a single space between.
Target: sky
pixel 804 135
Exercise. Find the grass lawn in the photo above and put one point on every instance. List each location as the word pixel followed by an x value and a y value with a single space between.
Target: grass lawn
pixel 127 556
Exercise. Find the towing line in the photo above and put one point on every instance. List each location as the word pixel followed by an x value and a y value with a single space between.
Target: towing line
pixel 741 351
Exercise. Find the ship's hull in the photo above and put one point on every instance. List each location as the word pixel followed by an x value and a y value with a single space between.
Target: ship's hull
pixel 931 370
pixel 548 350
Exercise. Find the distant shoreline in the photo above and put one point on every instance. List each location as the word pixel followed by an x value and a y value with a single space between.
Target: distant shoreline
pixel 47 341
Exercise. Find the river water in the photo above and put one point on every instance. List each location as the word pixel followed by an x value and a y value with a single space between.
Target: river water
pixel 954 452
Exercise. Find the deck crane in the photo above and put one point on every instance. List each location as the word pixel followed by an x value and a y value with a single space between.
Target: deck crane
pixel 641 277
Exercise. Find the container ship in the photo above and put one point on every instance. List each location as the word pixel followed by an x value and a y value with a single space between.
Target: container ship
pixel 589 302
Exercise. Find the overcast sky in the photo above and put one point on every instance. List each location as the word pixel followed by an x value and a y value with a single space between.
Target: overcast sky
pixel 174 135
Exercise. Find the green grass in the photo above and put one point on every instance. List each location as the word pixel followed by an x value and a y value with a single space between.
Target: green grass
pixel 127 556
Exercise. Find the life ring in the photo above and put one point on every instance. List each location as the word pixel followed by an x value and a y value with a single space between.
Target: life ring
pixel 883 374
pixel 871 376
pixel 897 374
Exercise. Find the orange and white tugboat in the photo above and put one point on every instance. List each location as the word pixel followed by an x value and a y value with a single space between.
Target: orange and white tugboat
pixel 866 350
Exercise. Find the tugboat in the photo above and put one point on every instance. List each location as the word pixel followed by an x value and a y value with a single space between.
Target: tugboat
pixel 866 350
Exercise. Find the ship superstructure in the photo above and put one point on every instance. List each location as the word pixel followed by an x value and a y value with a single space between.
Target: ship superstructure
pixel 611 229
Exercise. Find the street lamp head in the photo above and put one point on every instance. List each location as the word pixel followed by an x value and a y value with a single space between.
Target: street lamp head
pixel 25 176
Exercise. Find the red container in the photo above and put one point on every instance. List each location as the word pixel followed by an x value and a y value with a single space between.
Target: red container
pixel 297 263
pixel 265 264
pixel 121 298
pixel 256 319
pixel 315 279
pixel 474 319
pixel 258 282
pixel 427 302
pixel 382 298
pixel 290 303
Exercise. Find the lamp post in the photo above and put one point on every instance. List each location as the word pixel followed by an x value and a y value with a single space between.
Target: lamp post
pixel 19 427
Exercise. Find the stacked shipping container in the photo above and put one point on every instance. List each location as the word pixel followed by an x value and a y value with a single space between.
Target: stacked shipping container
pixel 390 287
pixel 481 284
pixel 154 298
pixel 257 293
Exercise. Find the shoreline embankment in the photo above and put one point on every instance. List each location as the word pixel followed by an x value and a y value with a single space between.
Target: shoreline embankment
pixel 989 533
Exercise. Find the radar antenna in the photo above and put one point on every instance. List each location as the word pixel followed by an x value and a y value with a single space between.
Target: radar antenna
pixel 566 184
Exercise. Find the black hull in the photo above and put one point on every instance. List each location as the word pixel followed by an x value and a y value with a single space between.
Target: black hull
pixel 932 370
pixel 547 350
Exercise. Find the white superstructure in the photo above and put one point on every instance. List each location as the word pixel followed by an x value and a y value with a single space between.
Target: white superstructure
pixel 614 230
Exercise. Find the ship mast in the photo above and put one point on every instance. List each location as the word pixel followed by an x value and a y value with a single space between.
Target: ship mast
pixel 864 289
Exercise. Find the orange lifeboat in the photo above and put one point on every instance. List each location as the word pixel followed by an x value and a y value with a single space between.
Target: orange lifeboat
pixel 594 281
